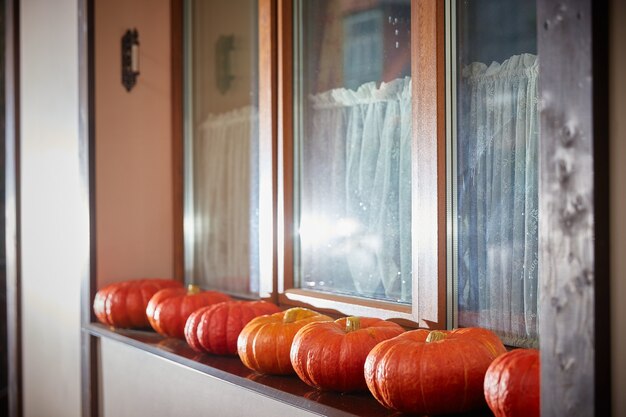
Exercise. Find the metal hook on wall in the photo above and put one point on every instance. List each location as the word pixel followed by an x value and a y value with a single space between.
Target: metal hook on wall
pixel 130 58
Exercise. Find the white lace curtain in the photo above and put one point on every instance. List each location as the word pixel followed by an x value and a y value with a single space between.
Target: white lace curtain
pixel 356 176
pixel 222 195
pixel 497 198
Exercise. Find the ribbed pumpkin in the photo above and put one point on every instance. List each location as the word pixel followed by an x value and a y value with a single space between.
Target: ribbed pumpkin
pixel 123 304
pixel 215 329
pixel 169 309
pixel 330 355
pixel 512 384
pixel 264 343
pixel 432 372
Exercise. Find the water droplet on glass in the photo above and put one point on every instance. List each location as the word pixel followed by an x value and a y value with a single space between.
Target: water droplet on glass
pixel 389 19
pixel 397 45
pixel 395 20
pixel 397 32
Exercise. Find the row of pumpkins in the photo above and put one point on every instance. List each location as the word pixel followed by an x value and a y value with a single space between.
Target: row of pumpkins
pixel 418 371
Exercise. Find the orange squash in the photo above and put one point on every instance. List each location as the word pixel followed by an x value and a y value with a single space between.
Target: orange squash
pixel 169 309
pixel 330 355
pixel 432 372
pixel 215 329
pixel 512 384
pixel 264 343
pixel 123 304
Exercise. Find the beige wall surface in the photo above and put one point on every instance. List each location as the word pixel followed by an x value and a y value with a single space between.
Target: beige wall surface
pixel 617 88
pixel 141 384
pixel 134 196
pixel 54 220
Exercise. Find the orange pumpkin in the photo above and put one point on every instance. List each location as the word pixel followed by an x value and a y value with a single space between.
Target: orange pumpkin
pixel 169 309
pixel 264 344
pixel 512 384
pixel 330 355
pixel 215 329
pixel 191 328
pixel 123 304
pixel 432 372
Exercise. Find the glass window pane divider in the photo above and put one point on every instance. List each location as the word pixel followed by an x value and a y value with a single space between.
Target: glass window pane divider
pixel 284 237
pixel 188 212
pixel 298 95
pixel 451 159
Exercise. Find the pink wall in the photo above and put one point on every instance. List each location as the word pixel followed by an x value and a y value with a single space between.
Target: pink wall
pixel 134 196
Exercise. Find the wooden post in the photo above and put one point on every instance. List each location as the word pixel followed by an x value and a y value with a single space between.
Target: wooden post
pixel 572 230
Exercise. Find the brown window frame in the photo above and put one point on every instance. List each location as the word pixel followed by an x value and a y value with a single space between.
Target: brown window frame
pixel 428 308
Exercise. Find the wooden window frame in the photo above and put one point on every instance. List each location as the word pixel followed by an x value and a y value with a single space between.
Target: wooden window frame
pixel 428 307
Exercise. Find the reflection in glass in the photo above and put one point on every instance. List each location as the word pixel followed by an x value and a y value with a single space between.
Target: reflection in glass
pixel 221 214
pixel 353 147
pixel 496 142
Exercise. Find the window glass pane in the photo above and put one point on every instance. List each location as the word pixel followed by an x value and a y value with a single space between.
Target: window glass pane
pixel 221 207
pixel 353 147
pixel 496 162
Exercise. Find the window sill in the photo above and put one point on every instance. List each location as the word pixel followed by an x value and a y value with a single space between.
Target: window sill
pixel 286 389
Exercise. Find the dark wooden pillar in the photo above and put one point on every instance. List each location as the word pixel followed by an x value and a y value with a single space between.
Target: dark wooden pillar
pixel 573 305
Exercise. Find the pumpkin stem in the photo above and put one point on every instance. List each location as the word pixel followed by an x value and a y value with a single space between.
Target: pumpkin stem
pixel 352 323
pixel 294 314
pixel 192 289
pixel 435 336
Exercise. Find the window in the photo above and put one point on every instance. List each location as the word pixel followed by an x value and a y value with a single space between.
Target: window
pixel 352 148
pixel 221 152
pixel 497 132
pixel 373 158
pixel 346 163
